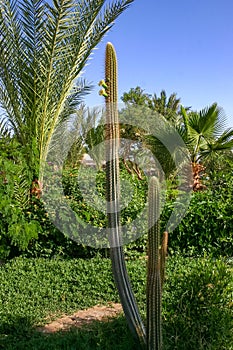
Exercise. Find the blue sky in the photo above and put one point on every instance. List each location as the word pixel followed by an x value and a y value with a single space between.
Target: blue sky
pixel 183 46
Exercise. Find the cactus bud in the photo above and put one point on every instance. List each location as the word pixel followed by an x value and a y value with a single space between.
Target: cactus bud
pixel 102 92
pixel 103 84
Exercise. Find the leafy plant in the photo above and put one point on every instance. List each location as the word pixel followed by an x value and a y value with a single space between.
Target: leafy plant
pixel 207 227
pixel 16 228
pixel 43 49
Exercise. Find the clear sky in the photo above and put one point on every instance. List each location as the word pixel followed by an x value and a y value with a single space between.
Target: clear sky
pixel 183 46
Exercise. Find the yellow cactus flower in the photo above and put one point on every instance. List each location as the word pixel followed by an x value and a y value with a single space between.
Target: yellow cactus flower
pixel 102 92
pixel 102 83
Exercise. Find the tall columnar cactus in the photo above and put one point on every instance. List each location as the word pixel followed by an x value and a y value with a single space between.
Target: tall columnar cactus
pixel 109 91
pixel 155 268
pixel 152 339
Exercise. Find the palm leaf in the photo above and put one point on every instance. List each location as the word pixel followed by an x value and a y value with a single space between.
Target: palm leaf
pixel 219 146
pixel 4 131
pixel 43 50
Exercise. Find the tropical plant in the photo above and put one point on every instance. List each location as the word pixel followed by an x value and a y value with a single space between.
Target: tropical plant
pixel 205 134
pixel 84 134
pixel 167 110
pixel 43 50
pixel 207 139
pixel 136 96
pixel 16 228
pixel 169 107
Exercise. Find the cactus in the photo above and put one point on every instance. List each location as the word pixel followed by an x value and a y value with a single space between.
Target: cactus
pixel 154 285
pixel 152 338
pixel 157 252
pixel 112 195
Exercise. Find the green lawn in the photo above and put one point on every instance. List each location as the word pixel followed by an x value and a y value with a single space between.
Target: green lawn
pixel 197 303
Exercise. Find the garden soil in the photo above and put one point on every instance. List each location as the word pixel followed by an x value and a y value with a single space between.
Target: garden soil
pixel 82 317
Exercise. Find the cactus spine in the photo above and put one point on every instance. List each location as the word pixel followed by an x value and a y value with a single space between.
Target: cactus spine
pixel 112 195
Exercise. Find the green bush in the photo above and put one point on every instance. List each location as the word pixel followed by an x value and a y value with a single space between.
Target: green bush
pixel 208 224
pixel 26 229
pixel 17 229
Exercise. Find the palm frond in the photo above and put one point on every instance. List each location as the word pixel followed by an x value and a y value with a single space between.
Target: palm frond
pixel 74 100
pixel 4 130
pixel 10 46
pixel 221 144
pixel 209 122
pixel 87 27
pixel 43 50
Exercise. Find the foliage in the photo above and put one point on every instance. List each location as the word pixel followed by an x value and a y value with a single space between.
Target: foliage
pixel 136 96
pixel 39 287
pixel 168 107
pixel 24 224
pixel 208 225
pixel 42 238
pixel 197 303
pixel 84 134
pixel 194 306
pixel 204 132
pixel 44 48
pixel 205 135
pixel 16 228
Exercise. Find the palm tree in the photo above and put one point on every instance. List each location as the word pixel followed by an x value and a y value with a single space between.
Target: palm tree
pixel 86 133
pixel 205 133
pixel 136 96
pixel 168 107
pixel 206 138
pixel 43 50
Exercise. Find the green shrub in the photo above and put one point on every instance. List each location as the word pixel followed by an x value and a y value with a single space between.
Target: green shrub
pixel 17 229
pixel 208 224
pixel 25 227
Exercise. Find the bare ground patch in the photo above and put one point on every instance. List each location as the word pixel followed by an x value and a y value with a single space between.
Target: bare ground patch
pixel 82 317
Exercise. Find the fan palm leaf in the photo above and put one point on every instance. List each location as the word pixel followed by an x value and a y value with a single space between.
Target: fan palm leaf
pixel 204 132
pixel 222 145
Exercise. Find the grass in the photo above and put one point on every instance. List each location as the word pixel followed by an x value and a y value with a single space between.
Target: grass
pixel 197 303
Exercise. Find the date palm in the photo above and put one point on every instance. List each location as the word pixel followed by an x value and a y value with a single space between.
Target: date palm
pixel 169 107
pixel 43 50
